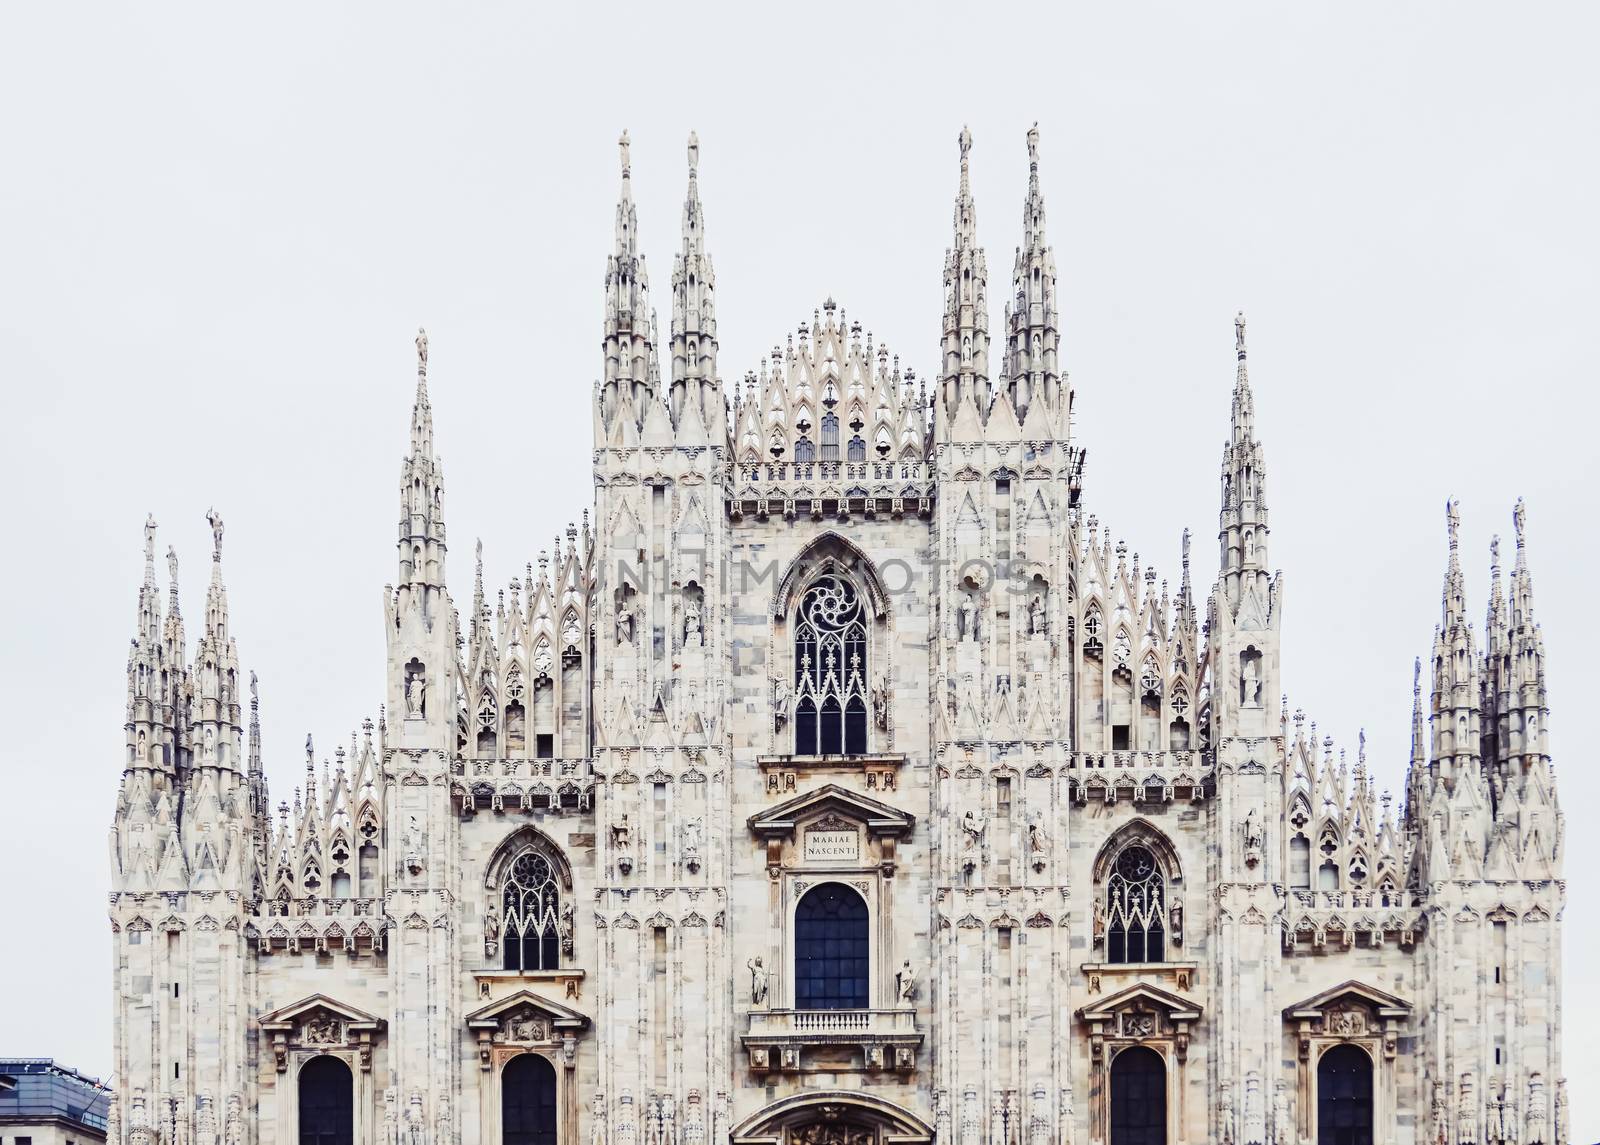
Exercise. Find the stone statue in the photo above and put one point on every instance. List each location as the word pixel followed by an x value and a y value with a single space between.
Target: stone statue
pixel 214 519
pixel 1033 145
pixel 416 691
pixel 1099 919
pixel 172 564
pixel 905 981
pixel 491 932
pixel 623 146
pixel 758 981
pixel 1254 840
pixel 693 631
pixel 972 826
pixel 1250 681
pixel 692 831
pixel 780 703
pixel 422 348
pixel 567 927
pixel 967 614
pixel 1177 924
pixel 880 705
pixel 622 833
pixel 624 623
pixel 1036 615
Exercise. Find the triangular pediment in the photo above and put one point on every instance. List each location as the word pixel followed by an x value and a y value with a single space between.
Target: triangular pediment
pixel 1142 995
pixel 1386 1005
pixel 292 1013
pixel 562 1017
pixel 878 818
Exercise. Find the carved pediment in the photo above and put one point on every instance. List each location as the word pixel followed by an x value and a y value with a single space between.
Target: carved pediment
pixel 318 1007
pixel 848 808
pixel 1142 998
pixel 320 1022
pixel 1346 1000
pixel 526 1006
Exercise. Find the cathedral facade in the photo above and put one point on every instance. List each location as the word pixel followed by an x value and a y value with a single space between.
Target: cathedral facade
pixel 840 781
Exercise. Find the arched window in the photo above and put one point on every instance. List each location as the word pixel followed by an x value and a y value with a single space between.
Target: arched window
pixel 830 949
pixel 830 670
pixel 528 1101
pixel 804 450
pixel 1344 1097
pixel 326 1116
pixel 857 449
pixel 1300 863
pixel 1138 1098
pixel 830 437
pixel 1136 908
pixel 531 914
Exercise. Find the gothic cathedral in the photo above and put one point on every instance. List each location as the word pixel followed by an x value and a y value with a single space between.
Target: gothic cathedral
pixel 839 782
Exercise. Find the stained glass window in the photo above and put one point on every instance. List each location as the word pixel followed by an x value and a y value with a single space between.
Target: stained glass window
pixel 830 670
pixel 531 935
pixel 1135 908
pixel 830 949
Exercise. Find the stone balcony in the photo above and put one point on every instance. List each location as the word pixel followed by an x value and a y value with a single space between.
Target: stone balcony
pixel 788 1041
pixel 838 489
pixel 1140 776
pixel 1319 921
pixel 522 784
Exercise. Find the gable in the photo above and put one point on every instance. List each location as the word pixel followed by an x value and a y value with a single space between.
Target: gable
pixel 878 818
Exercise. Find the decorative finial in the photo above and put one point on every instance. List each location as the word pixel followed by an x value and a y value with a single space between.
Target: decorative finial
pixel 310 751
pixel 622 146
pixel 1033 146
pixel 1416 677
pixel 1186 549
pixel 422 350
pixel 694 154
pixel 214 519
pixel 1519 520
pixel 255 696
pixel 965 141
pixel 1452 521
pixel 1494 553
pixel 1238 334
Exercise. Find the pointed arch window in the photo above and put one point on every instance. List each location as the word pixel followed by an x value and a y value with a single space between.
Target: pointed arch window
pixel 1136 908
pixel 830 669
pixel 531 914
pixel 830 437
pixel 857 449
pixel 804 450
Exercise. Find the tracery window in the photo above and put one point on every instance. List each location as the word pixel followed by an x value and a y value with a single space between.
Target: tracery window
pixel 830 437
pixel 831 949
pixel 531 936
pixel 1135 908
pixel 804 450
pixel 830 670
pixel 857 449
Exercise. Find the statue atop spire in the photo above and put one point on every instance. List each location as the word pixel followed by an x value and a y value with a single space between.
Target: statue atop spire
pixel 150 548
pixel 172 567
pixel 622 147
pixel 694 155
pixel 214 519
pixel 965 377
pixel 1238 334
pixel 1452 521
pixel 1033 147
pixel 422 351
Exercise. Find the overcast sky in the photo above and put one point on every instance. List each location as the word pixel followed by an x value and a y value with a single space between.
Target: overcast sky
pixel 220 227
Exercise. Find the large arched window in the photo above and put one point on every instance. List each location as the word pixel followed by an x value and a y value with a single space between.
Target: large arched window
pixel 831 949
pixel 326 1109
pixel 531 914
pixel 1138 1098
pixel 1344 1097
pixel 1135 908
pixel 830 669
pixel 830 437
pixel 528 1101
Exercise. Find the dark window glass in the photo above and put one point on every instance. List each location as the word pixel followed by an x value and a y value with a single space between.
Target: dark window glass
pixel 830 949
pixel 528 1101
pixel 1138 1098
pixel 830 670
pixel 326 1116
pixel 530 915
pixel 858 449
pixel 1344 1097
pixel 1135 908
pixel 804 450
pixel 830 437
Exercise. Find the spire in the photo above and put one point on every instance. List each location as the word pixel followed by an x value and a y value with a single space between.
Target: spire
pixel 1031 352
pixel 694 312
pixel 151 678
pixel 966 301
pixel 1243 528
pixel 1527 697
pixel 421 545
pixel 628 341
pixel 1455 666
pixel 216 737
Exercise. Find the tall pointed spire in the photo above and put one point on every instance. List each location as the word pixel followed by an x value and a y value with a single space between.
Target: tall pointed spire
pixel 1527 699
pixel 1032 367
pixel 216 736
pixel 151 679
pixel 1243 531
pixel 422 543
pixel 1456 694
pixel 694 314
pixel 966 302
pixel 629 324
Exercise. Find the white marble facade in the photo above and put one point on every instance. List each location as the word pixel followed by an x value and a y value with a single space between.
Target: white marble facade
pixel 841 781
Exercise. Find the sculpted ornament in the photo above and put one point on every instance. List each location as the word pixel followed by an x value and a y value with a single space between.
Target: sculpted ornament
pixel 905 982
pixel 758 981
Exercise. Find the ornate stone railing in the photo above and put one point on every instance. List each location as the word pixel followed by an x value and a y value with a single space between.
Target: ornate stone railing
pixel 830 489
pixel 1140 776
pixel 779 1039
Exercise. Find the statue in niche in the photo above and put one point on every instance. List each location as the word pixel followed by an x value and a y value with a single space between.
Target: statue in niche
pixel 905 981
pixel 625 619
pixel 491 932
pixel 567 927
pixel 416 690
pixel 414 841
pixel 967 616
pixel 693 625
pixel 780 703
pixel 1250 679
pixel 622 843
pixel 692 831
pixel 880 704
pixel 972 825
pixel 1099 919
pixel 1254 839
pixel 1036 616
pixel 758 981
pixel 1175 920
pixel 1038 842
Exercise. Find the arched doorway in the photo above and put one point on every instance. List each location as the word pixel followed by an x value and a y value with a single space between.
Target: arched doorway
pixel 831 949
pixel 528 1101
pixel 326 1105
pixel 1344 1097
pixel 1138 1098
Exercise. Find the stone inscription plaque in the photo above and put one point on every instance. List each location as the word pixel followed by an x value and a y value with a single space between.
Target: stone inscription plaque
pixel 833 846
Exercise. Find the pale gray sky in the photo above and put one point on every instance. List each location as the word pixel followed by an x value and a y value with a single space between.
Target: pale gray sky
pixel 220 227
